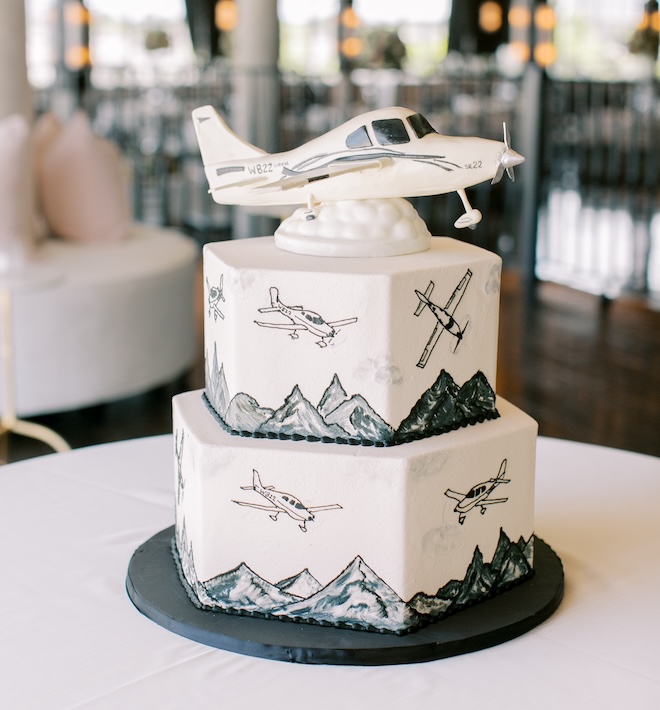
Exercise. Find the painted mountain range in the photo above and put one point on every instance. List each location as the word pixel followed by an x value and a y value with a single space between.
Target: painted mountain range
pixel 341 418
pixel 357 598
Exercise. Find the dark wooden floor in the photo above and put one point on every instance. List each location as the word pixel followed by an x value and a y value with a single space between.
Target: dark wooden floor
pixel 584 370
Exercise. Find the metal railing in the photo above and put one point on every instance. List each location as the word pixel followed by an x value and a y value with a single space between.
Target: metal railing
pixel 599 167
pixel 600 197
pixel 152 127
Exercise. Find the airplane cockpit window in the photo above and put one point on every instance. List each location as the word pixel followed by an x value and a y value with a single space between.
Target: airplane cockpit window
pixel 358 139
pixel 420 125
pixel 390 131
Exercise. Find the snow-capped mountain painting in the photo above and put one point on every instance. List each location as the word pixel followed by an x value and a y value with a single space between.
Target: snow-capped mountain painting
pixel 301 585
pixel 482 580
pixel 341 418
pixel 357 597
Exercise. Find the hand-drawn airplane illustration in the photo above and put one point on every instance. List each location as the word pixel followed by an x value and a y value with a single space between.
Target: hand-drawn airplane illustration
pixel 390 152
pixel 283 503
pixel 302 319
pixel 216 295
pixel 444 316
pixel 477 496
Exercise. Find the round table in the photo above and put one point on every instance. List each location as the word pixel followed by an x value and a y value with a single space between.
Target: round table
pixel 70 636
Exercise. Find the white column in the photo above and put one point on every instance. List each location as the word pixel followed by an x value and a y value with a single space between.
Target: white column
pixel 15 98
pixel 255 103
pixel 14 87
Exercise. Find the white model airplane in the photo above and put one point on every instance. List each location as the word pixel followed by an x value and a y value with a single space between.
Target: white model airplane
pixel 445 316
pixel 477 496
pixel 216 294
pixel 302 319
pixel 283 503
pixel 391 152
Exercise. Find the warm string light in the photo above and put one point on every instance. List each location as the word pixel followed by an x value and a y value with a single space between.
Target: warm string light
pixel 520 19
pixel 76 33
pixel 650 21
pixel 490 17
pixel 226 15
pixel 350 46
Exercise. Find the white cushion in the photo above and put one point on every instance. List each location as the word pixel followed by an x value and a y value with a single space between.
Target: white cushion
pixel 82 190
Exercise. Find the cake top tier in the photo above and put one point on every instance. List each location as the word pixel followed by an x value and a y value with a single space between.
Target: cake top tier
pixel 374 350
pixel 351 179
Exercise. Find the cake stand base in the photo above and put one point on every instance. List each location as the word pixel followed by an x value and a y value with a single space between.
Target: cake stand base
pixel 154 587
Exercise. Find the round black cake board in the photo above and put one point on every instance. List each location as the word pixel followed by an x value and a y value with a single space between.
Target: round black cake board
pixel 154 587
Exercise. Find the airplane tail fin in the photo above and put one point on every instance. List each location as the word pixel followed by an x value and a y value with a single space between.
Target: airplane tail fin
pixel 424 298
pixel 217 142
pixel 256 481
pixel 500 474
pixel 274 296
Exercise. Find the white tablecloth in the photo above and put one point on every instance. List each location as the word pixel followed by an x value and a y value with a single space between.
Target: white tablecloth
pixel 70 637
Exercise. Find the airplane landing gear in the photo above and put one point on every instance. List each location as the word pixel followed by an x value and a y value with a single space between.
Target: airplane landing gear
pixel 471 218
pixel 312 211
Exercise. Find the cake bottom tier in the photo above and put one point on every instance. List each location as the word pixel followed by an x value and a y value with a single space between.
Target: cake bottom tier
pixel 355 537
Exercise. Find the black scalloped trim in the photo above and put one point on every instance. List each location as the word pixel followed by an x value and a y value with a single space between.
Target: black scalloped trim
pixel 396 440
pixel 424 619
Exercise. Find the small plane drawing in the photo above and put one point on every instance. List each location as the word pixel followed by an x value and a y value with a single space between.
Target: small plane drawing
pixel 477 496
pixel 382 154
pixel 282 502
pixel 302 319
pixel 216 295
pixel 444 316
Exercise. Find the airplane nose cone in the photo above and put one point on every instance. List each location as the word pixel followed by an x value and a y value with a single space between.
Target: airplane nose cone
pixel 510 159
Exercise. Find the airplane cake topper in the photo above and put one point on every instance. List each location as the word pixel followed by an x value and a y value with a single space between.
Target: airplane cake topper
pixel 344 176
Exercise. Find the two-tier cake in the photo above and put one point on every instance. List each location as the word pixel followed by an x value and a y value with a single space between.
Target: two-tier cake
pixel 348 462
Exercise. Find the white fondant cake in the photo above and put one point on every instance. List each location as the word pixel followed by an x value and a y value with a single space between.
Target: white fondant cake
pixel 348 463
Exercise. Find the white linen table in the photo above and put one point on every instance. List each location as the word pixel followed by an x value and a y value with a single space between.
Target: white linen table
pixel 70 637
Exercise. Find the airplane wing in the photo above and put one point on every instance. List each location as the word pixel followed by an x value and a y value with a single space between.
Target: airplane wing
pixel 281 326
pixel 453 494
pixel 267 508
pixel 435 336
pixel 340 323
pixel 333 170
pixel 492 501
pixel 317 508
pixel 458 294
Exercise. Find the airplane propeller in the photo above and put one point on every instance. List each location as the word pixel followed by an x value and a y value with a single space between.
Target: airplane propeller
pixel 508 160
